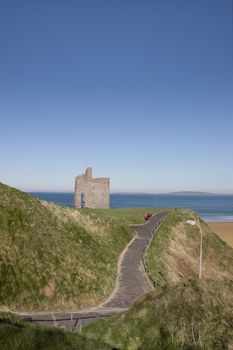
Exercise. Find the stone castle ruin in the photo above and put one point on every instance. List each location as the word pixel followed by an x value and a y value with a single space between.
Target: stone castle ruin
pixel 91 193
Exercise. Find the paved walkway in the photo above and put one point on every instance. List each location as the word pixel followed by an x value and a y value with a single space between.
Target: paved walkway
pixel 132 277
pixel 132 281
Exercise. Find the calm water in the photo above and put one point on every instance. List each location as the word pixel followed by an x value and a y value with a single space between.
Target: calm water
pixel 210 208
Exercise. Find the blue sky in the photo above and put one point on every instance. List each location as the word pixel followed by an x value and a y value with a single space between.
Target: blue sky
pixel 140 90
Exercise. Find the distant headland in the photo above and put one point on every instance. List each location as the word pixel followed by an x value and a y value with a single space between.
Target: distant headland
pixel 193 193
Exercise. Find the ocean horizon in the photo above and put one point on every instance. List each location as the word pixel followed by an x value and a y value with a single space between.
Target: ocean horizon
pixel 209 207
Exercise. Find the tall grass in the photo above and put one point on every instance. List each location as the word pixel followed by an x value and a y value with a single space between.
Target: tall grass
pixel 18 335
pixel 191 315
pixel 56 258
pixel 173 254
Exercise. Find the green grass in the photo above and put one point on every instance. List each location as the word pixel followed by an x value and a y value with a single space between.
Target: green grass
pixel 191 315
pixel 159 244
pixel 126 215
pixel 182 312
pixel 56 258
pixel 173 254
pixel 185 316
pixel 16 334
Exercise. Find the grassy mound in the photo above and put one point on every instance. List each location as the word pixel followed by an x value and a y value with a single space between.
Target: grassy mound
pixel 173 254
pixel 183 312
pixel 18 335
pixel 57 258
pixel 191 315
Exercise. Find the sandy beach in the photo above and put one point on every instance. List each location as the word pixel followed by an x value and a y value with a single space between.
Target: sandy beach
pixel 224 230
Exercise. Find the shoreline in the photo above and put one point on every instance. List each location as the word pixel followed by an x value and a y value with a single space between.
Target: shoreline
pixel 224 229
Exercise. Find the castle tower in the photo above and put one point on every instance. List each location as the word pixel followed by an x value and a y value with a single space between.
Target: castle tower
pixel 91 193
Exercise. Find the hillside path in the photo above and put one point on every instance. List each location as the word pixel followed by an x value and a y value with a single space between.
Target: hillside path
pixel 132 278
pixel 132 281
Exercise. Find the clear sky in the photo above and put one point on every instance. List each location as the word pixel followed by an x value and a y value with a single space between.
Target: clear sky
pixel 139 89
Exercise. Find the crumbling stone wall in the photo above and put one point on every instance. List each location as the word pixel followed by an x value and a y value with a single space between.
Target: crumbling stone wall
pixel 91 193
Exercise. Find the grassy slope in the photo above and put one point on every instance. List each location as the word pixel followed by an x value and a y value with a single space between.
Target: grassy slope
pixel 174 251
pixel 18 335
pixel 191 315
pixel 186 313
pixel 56 258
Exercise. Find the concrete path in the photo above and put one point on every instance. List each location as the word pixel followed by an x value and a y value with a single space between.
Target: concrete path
pixel 132 278
pixel 132 281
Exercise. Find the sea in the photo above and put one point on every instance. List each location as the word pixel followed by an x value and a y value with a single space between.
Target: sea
pixel 208 207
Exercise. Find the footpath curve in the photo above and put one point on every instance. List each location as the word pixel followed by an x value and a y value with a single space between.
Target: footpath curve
pixel 132 281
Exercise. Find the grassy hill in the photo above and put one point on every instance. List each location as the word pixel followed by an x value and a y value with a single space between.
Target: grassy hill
pixel 191 315
pixel 18 335
pixel 173 255
pixel 183 312
pixel 188 315
pixel 56 258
